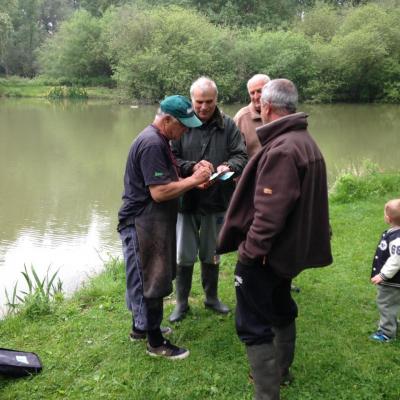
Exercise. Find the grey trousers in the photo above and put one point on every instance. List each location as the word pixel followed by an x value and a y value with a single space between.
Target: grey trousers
pixel 388 302
pixel 147 313
pixel 197 233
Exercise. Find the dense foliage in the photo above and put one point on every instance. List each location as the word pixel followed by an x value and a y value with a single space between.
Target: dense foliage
pixel 333 51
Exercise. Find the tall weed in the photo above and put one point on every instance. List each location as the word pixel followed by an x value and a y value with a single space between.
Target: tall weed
pixel 63 92
pixel 361 183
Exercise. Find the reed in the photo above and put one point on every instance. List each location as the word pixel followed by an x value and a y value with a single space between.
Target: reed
pixel 37 299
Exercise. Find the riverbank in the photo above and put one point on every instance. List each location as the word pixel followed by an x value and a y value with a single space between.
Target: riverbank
pixel 86 353
pixel 38 88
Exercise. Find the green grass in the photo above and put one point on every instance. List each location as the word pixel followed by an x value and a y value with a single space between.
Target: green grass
pixel 86 353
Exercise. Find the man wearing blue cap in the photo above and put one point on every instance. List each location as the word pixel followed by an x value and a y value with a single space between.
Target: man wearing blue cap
pixel 147 221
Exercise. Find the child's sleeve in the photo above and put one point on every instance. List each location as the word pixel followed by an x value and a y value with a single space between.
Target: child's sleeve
pixel 392 265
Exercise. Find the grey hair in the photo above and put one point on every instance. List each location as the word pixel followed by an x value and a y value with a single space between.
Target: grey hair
pixel 203 83
pixel 258 77
pixel 282 94
pixel 162 114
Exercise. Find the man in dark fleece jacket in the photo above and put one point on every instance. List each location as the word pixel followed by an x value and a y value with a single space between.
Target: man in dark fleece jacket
pixel 278 220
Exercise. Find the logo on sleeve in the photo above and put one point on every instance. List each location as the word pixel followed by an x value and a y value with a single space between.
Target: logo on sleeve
pixel 158 173
pixel 383 245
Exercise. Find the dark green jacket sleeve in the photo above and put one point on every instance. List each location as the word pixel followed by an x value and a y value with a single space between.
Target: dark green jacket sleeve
pixel 185 166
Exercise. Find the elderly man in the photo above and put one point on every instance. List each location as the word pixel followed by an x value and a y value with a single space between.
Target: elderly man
pixel 248 118
pixel 218 144
pixel 147 220
pixel 278 220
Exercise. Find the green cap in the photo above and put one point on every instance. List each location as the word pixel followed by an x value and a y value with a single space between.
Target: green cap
pixel 181 108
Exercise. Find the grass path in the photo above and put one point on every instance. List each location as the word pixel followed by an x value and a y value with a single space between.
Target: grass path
pixel 86 353
pixel 16 87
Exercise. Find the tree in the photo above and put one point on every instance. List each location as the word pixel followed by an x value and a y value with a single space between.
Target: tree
pixel 32 21
pixel 361 62
pixel 52 12
pixel 26 37
pixel 98 7
pixel 76 51
pixel 6 29
pixel 266 14
pixel 321 21
pixel 277 54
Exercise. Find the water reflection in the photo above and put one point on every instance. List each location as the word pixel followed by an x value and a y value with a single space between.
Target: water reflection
pixel 74 254
pixel 61 169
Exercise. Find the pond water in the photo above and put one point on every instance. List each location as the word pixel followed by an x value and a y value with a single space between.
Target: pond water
pixel 62 164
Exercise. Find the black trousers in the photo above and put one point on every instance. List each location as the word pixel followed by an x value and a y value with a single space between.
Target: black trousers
pixel 264 301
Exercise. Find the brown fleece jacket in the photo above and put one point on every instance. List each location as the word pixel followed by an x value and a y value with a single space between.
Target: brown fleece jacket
pixel 278 214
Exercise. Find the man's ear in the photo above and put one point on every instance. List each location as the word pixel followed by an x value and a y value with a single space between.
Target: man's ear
pixel 168 119
pixel 264 107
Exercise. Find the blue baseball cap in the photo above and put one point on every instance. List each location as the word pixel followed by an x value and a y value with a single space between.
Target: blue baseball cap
pixel 181 108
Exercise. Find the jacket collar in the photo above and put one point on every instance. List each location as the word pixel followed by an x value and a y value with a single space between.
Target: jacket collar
pixel 217 119
pixel 291 122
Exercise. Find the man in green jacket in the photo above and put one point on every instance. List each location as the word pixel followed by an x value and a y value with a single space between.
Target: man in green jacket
pixel 218 142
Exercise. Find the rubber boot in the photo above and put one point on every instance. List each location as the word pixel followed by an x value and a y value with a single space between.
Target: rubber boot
pixel 209 280
pixel 285 343
pixel 183 285
pixel 264 370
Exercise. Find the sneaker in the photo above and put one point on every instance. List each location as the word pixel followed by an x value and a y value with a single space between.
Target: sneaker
pixel 142 335
pixel 379 336
pixel 168 350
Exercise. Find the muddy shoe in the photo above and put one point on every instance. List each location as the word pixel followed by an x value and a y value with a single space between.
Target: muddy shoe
pixel 142 335
pixel 168 350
